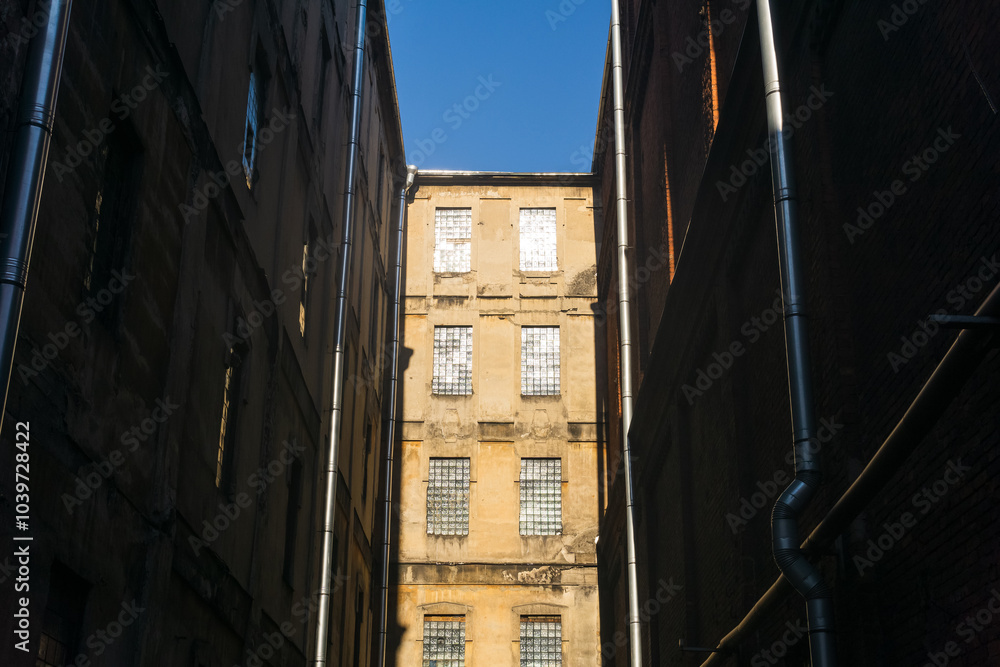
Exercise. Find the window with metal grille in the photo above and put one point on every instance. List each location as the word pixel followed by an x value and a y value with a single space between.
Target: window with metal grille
pixel 541 641
pixel 541 496
pixel 448 497
pixel 452 240
pixel 538 239
pixel 444 641
pixel 452 361
pixel 250 129
pixel 539 361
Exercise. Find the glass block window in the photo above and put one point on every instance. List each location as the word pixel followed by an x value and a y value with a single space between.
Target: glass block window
pixel 541 496
pixel 452 361
pixel 452 240
pixel 539 361
pixel 444 641
pixel 541 641
pixel 538 239
pixel 448 497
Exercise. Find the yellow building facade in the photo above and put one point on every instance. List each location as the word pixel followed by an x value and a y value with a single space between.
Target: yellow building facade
pixel 495 562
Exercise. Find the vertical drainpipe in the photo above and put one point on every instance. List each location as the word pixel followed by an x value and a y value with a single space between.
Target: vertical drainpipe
pixel 328 562
pixel 794 565
pixel 390 427
pixel 625 335
pixel 26 173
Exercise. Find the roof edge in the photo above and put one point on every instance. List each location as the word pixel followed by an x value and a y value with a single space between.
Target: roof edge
pixel 445 177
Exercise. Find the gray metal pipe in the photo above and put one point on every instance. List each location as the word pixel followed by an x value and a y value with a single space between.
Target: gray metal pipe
pixel 328 562
pixel 956 367
pixel 26 174
pixel 390 426
pixel 792 562
pixel 625 335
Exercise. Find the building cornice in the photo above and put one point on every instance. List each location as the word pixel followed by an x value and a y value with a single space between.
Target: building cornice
pixel 444 177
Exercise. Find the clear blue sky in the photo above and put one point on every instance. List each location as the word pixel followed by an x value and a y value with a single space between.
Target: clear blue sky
pixel 535 65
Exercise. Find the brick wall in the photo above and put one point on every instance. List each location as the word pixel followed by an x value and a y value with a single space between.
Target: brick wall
pixel 891 94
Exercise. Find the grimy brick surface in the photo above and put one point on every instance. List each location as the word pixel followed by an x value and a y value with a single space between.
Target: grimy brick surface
pixel 894 93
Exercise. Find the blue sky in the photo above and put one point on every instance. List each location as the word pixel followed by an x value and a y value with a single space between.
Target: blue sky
pixel 499 85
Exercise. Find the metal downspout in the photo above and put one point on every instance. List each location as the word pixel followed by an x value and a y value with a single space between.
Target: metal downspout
pixel 930 404
pixel 26 173
pixel 792 562
pixel 390 427
pixel 328 562
pixel 625 335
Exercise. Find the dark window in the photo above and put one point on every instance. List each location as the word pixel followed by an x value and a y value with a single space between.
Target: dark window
pixel 254 118
pixel 112 221
pixel 307 250
pixel 364 464
pixel 324 74
pixel 359 615
pixel 235 363
pixel 251 130
pixel 292 519
pixel 375 329
pixel 381 185
pixel 63 615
